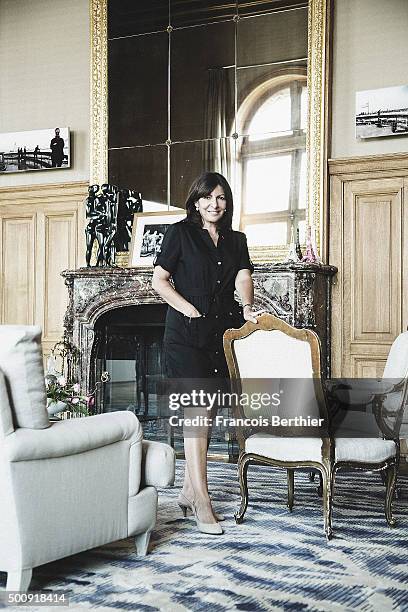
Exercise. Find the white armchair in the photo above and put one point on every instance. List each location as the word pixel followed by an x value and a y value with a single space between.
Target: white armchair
pixel 383 401
pixel 72 485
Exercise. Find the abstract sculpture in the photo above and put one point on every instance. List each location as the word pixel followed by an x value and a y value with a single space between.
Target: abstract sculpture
pixel 110 212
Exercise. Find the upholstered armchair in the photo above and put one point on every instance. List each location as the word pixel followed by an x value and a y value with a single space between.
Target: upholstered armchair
pixel 72 485
pixel 275 351
pixel 383 401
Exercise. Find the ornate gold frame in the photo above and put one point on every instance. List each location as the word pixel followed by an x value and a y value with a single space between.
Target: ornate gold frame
pixel 319 28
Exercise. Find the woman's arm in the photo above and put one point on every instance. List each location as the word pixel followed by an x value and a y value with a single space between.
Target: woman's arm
pixel 161 284
pixel 245 287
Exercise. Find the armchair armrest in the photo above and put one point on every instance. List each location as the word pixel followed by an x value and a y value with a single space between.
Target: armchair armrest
pixel 158 464
pixel 357 392
pixel 72 436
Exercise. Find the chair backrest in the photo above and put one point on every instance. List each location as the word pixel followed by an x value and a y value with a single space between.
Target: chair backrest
pixel 272 355
pixel 22 365
pixel 397 361
pixel 395 414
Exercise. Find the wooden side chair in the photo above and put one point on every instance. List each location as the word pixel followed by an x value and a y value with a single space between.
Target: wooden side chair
pixel 275 351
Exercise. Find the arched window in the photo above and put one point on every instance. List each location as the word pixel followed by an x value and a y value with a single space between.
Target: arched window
pixel 272 160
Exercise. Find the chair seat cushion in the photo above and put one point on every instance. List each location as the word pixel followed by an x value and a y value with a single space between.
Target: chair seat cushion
pixel 364 450
pixel 22 365
pixel 285 449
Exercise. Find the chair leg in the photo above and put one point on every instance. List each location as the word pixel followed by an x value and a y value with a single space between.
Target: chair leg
pixel 319 489
pixel 291 488
pixel 19 581
pixel 326 480
pixel 243 463
pixel 391 479
pixel 142 542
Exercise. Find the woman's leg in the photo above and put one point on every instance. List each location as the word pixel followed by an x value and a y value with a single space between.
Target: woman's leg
pixel 195 489
pixel 195 450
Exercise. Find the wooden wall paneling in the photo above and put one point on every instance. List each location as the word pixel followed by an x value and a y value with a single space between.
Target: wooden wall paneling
pixel 32 290
pixel 404 240
pixel 368 222
pixel 335 253
pixel 18 262
pixel 59 231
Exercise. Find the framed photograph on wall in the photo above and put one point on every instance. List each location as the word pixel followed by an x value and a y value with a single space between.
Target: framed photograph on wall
pixel 382 112
pixel 147 235
pixel 35 150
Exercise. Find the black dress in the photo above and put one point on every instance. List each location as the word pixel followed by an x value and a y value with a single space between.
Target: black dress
pixel 204 274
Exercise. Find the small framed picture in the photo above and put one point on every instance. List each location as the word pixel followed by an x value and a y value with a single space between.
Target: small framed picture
pixel 382 112
pixel 35 150
pixel 147 235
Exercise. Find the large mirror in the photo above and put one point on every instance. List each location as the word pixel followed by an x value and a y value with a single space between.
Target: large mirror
pixel 182 86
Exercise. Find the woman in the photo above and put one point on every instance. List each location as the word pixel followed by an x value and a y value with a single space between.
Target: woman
pixel 207 260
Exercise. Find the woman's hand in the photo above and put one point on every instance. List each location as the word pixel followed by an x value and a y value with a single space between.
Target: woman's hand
pixel 191 312
pixel 250 314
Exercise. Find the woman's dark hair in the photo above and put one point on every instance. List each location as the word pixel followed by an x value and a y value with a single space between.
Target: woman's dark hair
pixel 202 186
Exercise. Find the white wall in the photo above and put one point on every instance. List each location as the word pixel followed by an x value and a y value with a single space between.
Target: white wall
pixel 370 51
pixel 44 78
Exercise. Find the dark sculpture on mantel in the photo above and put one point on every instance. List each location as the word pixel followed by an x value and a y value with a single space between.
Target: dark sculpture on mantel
pixel 110 212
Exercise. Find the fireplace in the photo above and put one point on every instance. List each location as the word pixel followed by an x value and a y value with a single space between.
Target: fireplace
pixel 116 321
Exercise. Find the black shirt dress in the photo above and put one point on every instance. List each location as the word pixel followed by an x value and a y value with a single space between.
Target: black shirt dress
pixel 204 274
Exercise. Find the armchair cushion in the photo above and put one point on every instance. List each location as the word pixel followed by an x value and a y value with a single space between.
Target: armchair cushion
pixel 22 365
pixel 73 436
pixel 285 449
pixel 364 450
pixel 6 420
pixel 158 464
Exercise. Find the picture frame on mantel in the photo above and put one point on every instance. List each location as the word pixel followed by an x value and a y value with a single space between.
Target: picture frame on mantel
pixel 147 236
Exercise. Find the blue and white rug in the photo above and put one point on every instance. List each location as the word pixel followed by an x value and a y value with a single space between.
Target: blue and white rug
pixel 275 560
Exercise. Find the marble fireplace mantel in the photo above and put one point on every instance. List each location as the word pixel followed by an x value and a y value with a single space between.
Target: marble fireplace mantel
pixel 298 293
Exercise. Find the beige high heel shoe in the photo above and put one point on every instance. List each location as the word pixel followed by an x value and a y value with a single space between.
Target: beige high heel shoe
pixel 187 508
pixel 208 528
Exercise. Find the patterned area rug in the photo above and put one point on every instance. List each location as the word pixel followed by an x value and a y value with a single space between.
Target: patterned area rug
pixel 275 560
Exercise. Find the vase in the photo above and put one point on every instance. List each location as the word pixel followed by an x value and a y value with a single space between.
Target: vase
pixel 55 407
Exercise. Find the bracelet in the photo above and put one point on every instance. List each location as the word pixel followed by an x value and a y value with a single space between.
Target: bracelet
pixel 245 305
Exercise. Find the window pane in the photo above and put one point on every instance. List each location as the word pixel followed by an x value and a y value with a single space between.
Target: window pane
pixel 303 109
pixel 266 233
pixel 267 184
pixel 302 231
pixel 302 186
pixel 274 115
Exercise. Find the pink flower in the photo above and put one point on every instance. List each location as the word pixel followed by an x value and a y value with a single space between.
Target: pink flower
pixel 76 388
pixel 61 380
pixel 75 400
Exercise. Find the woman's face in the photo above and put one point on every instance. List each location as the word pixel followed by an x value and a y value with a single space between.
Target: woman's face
pixel 213 206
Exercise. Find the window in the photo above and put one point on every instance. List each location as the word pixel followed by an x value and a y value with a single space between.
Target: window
pixel 272 161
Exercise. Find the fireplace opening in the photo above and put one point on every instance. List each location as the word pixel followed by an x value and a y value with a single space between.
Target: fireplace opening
pixel 128 346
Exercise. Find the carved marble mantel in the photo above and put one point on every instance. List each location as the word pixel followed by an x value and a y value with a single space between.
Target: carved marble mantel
pixel 298 293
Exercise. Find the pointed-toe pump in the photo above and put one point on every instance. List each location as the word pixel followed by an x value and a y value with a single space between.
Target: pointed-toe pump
pixel 186 507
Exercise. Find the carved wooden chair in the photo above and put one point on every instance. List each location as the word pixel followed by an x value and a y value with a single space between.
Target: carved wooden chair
pixel 383 400
pixel 272 352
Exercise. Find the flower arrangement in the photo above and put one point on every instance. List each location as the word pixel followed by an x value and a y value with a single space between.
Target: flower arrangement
pixel 62 396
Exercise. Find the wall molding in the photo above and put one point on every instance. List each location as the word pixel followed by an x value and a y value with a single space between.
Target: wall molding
pixel 24 194
pixel 350 166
